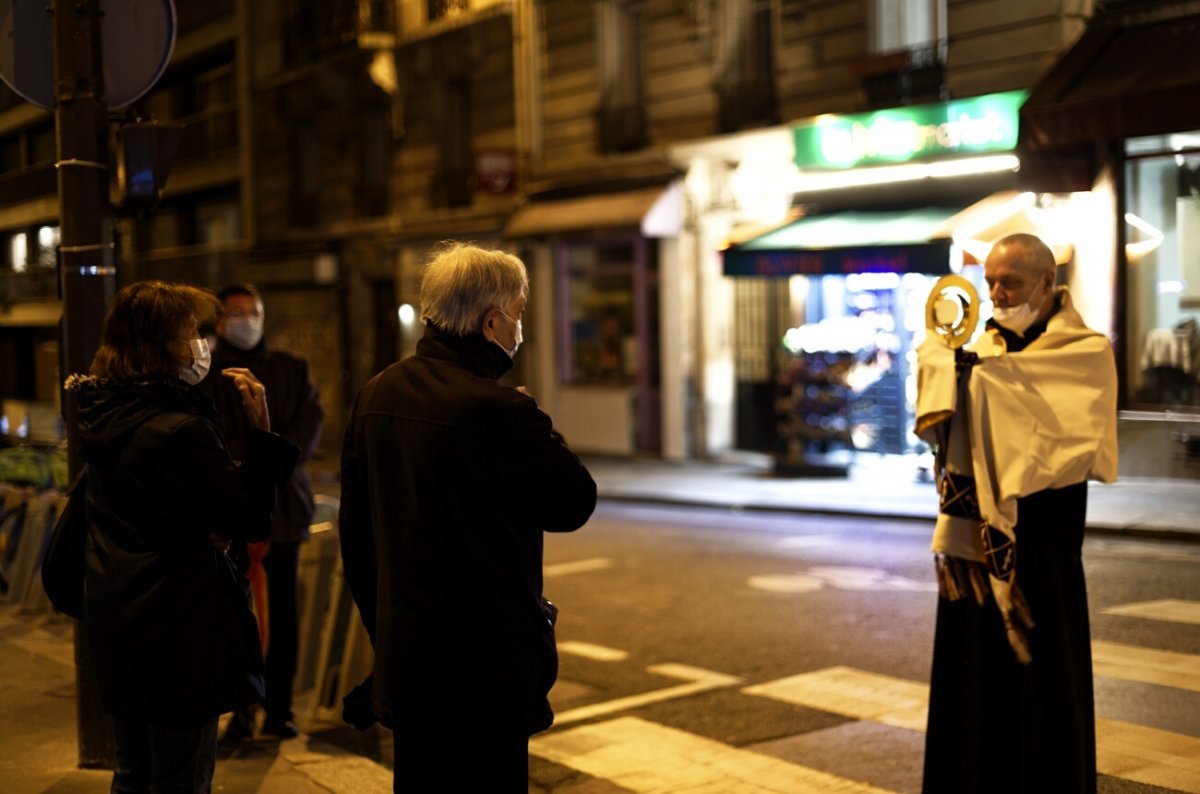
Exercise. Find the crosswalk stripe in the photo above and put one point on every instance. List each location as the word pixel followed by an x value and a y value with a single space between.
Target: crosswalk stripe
pixel 854 693
pixel 589 650
pixel 644 756
pixel 1148 665
pixel 698 680
pixel 577 566
pixel 1133 752
pixel 1174 610
pixel 1148 755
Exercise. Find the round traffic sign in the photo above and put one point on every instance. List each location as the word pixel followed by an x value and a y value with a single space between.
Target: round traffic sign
pixel 136 39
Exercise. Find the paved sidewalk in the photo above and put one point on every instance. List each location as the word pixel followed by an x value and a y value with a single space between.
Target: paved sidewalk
pixel 880 487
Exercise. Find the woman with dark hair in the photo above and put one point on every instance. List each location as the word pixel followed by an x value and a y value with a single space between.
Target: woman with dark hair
pixel 165 612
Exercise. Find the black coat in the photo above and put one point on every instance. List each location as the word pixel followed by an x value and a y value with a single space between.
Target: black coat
pixel 164 610
pixel 448 481
pixel 296 415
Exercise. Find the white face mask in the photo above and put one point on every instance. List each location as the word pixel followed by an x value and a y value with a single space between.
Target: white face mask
pixel 243 332
pixel 201 359
pixel 1018 318
pixel 517 339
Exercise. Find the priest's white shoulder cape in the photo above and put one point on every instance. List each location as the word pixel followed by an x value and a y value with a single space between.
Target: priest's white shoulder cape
pixel 1044 417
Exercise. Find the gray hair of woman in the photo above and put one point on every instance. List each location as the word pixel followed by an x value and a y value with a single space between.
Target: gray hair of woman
pixel 463 282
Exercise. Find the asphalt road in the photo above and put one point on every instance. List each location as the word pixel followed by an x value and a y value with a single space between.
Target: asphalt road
pixel 682 633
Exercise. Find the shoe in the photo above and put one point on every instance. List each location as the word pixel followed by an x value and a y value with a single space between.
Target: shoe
pixel 284 729
pixel 239 728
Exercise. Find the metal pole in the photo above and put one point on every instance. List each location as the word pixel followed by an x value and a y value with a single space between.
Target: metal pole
pixel 87 275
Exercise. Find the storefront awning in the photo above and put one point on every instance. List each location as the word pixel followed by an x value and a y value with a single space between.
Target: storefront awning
pixel 1118 82
pixel 627 209
pixel 907 241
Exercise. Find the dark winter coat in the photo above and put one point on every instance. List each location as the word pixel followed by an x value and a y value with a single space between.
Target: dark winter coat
pixel 296 415
pixel 448 481
pixel 165 612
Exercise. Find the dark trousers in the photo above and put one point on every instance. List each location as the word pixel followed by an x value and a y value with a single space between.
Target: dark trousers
pixel 460 758
pixel 281 563
pixel 163 759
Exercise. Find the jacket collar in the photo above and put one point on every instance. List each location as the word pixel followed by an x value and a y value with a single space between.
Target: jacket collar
pixel 472 352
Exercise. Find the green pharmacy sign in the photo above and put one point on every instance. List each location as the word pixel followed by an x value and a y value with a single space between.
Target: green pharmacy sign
pixel 965 126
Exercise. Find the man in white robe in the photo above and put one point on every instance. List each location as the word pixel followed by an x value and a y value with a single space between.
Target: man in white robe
pixel 1021 422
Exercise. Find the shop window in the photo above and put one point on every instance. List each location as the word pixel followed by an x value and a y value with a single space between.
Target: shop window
pixel 621 117
pixel 745 68
pixel 1162 253
pixel 598 280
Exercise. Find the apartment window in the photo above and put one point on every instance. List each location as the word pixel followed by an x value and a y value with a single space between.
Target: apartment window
pixel 452 185
pixel 374 161
pixel 902 24
pixel 621 119
pixel 908 39
pixel 440 9
pixel 305 173
pixel 745 67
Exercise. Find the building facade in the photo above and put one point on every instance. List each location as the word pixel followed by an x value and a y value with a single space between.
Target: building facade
pixel 631 151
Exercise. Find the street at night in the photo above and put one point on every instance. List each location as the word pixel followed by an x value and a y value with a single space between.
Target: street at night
pixel 751 601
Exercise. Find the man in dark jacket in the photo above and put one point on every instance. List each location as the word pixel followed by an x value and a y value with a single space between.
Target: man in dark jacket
pixel 296 415
pixel 449 480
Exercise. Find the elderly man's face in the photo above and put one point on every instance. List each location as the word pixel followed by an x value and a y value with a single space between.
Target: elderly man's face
pixel 1012 280
pixel 500 326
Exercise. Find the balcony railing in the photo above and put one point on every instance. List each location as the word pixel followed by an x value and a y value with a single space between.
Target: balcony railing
pixel 905 77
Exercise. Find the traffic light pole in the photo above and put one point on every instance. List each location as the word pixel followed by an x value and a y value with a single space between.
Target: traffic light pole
pixel 87 274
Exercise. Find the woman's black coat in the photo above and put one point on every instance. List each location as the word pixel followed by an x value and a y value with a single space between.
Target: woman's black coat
pixel 449 480
pixel 164 610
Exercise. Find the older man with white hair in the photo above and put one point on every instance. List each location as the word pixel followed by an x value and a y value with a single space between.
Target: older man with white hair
pixel 1020 422
pixel 449 480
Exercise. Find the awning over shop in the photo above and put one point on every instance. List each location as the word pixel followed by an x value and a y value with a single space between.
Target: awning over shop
pixel 1118 82
pixel 626 209
pixel 907 241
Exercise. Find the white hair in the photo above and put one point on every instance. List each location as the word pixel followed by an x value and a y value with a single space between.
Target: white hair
pixel 462 282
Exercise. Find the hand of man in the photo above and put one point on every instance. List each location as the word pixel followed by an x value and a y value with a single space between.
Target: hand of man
pixel 254 396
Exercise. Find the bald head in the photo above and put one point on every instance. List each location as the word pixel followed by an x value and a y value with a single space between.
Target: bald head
pixel 1021 269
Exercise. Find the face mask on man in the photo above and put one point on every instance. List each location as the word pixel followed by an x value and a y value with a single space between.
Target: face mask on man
pixel 201 359
pixel 243 332
pixel 517 339
pixel 1018 318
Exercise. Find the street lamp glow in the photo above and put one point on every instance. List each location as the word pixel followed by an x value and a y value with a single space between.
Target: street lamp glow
pixel 407 314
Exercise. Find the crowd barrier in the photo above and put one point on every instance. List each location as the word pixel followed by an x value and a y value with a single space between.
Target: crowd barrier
pixel 334 653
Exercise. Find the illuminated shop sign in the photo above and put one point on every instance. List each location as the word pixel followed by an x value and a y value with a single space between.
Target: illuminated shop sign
pixel 932 258
pixel 965 126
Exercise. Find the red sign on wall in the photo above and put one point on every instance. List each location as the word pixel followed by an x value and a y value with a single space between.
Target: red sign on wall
pixel 495 170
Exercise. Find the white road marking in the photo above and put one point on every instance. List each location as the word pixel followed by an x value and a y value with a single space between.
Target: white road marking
pixel 786 583
pixel 577 566
pixel 807 541
pixel 1148 665
pixel 643 756
pixel 1174 610
pixel 1133 752
pixel 589 651
pixel 698 681
pixel 854 693
pixel 1148 755
pixel 841 577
